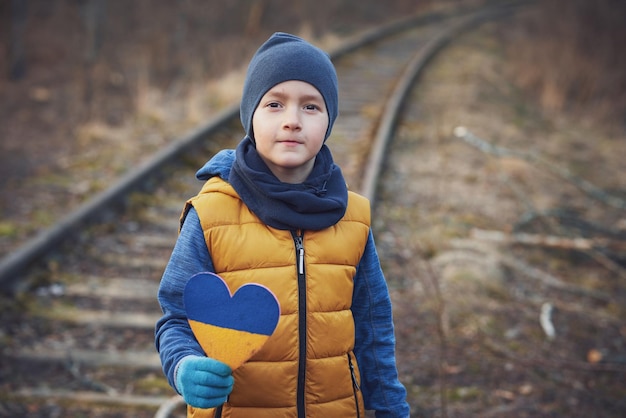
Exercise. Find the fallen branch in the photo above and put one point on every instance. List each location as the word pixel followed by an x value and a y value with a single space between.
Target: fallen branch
pixel 592 246
pixel 533 239
pixel 583 244
pixel 564 218
pixel 585 186
pixel 549 279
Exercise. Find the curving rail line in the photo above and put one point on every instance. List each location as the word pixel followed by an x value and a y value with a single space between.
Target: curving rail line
pixel 84 344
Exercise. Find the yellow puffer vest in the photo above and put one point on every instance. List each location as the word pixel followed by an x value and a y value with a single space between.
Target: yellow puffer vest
pixel 307 367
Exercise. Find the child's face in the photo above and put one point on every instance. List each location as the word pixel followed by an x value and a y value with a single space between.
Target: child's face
pixel 289 126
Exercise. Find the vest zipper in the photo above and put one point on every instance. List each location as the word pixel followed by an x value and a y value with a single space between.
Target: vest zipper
pixel 298 240
pixel 355 385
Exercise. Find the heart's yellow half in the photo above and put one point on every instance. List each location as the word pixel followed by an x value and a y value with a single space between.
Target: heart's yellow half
pixel 229 346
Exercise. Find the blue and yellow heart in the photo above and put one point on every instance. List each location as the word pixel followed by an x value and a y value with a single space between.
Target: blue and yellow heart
pixel 230 327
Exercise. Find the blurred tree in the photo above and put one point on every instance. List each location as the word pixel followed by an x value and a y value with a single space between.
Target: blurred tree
pixel 255 17
pixel 570 56
pixel 17 65
pixel 93 14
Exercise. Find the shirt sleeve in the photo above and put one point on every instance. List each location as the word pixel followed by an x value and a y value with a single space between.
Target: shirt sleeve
pixel 174 338
pixel 375 339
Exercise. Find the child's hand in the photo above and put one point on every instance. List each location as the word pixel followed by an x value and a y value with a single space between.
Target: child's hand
pixel 204 382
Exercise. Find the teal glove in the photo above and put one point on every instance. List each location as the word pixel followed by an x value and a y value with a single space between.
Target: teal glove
pixel 204 382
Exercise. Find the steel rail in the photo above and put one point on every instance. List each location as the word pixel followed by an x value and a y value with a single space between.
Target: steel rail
pixel 393 110
pixel 14 264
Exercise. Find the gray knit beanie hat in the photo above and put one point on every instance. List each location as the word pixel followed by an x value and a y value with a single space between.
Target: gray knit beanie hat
pixel 285 57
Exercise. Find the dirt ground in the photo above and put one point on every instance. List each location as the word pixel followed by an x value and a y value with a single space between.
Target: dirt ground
pixel 507 274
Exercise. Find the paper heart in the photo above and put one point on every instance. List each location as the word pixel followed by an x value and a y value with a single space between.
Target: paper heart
pixel 230 327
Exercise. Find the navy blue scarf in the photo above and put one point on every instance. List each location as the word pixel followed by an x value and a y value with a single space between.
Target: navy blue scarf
pixel 316 204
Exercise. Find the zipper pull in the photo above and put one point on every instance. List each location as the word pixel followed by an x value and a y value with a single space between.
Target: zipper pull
pixel 300 251
pixel 301 261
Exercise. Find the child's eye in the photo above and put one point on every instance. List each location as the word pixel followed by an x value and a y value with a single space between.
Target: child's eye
pixel 273 104
pixel 312 107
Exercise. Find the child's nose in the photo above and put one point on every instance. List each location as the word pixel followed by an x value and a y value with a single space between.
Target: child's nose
pixel 292 119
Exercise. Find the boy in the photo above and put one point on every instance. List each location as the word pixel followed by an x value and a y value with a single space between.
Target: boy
pixel 276 211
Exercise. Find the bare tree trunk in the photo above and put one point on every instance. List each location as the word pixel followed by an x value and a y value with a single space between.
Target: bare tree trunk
pixel 92 12
pixel 17 65
pixel 255 17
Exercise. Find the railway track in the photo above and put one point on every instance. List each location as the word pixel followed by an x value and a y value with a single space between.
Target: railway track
pixel 81 344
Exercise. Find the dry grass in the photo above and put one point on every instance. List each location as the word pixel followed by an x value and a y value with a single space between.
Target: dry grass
pixel 570 56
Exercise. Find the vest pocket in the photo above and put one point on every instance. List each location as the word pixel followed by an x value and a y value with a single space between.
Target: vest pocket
pixel 356 388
